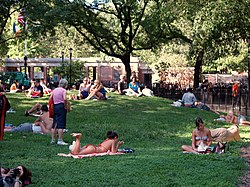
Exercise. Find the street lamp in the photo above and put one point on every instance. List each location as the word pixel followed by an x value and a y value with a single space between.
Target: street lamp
pixel 70 63
pixel 63 68
pixel 25 66
pixel 62 57
pixel 248 62
pixel 248 72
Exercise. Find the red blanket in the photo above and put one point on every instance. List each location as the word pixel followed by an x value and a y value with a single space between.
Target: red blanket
pixel 90 155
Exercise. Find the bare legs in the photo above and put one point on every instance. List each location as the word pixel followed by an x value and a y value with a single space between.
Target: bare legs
pixel 94 93
pixel 187 148
pixel 76 147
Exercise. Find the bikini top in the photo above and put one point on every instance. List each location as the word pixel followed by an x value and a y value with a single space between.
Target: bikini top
pixel 201 138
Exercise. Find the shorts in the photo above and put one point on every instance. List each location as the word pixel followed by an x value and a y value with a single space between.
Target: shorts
pixel 84 94
pixel 241 118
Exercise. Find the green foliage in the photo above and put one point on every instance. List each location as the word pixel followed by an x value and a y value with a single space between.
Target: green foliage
pixel 151 126
pixel 77 70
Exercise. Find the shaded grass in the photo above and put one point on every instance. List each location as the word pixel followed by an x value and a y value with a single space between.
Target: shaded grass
pixel 151 126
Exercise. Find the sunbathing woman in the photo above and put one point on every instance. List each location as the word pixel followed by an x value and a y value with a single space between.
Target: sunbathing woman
pixel 200 134
pixel 226 135
pixel 110 144
pixel 231 118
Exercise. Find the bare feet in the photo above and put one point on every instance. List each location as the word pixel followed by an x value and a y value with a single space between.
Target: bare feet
pixel 76 134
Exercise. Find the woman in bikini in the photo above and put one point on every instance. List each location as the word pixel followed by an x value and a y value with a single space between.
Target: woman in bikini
pixel 110 144
pixel 200 134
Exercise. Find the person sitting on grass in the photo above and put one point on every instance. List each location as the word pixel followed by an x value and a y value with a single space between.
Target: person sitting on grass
pixel 231 118
pixel 14 87
pixel 110 144
pixel 200 136
pixel 97 90
pixel 122 85
pixel 134 88
pixel 226 134
pixel 16 177
pixel 84 89
pixel 188 98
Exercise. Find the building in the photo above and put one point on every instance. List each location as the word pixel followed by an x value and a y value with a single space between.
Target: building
pixel 107 70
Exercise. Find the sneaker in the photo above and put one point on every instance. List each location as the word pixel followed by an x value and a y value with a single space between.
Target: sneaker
pixel 52 142
pixel 60 142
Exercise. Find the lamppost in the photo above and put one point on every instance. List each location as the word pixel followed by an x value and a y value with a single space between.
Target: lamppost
pixel 63 68
pixel 248 62
pixel 62 57
pixel 248 73
pixel 70 63
pixel 25 66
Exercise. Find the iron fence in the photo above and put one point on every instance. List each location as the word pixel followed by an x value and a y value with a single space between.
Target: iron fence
pixel 218 98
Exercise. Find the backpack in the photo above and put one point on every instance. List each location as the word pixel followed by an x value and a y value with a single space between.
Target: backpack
pixel 221 148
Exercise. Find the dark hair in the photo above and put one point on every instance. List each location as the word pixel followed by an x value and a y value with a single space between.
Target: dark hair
pixel 112 134
pixel 26 176
pixel 198 121
pixel 44 108
pixel 190 90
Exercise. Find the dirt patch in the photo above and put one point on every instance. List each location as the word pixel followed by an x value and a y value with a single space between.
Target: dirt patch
pixel 245 180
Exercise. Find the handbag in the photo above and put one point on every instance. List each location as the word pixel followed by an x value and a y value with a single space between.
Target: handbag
pixel 51 107
pixel 221 148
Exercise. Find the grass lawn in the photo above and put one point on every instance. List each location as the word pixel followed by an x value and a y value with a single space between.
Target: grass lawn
pixel 151 126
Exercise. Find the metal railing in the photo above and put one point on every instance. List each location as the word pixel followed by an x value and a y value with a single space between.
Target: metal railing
pixel 219 99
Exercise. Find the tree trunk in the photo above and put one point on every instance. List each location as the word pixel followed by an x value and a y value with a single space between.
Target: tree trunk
pixel 126 61
pixel 197 69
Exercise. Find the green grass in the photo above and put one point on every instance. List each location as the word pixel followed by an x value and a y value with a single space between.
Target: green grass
pixel 151 126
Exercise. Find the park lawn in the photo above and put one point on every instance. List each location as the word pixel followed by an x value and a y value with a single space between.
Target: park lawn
pixel 151 126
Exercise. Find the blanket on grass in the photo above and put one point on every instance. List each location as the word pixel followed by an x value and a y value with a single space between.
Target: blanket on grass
pixel 89 155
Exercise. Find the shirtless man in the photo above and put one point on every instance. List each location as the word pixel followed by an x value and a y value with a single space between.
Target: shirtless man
pixel 42 124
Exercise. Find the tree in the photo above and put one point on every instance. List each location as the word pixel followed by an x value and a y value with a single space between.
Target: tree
pixel 217 30
pixel 7 9
pixel 118 28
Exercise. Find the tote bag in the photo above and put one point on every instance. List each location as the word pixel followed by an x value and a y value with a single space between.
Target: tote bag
pixel 51 107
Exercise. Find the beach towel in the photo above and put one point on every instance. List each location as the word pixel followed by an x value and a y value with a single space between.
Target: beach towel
pixel 90 155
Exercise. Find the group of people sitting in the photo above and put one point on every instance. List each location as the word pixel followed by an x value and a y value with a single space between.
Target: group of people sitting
pixel 37 89
pixel 134 89
pixel 87 90
pixel 15 177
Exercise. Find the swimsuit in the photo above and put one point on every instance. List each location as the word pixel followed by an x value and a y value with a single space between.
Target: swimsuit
pixel 201 138
pixel 96 148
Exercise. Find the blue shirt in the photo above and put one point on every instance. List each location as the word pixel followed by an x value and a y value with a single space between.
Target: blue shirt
pixel 134 87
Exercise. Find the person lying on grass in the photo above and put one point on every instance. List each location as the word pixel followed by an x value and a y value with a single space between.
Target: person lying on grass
pixel 200 136
pixel 112 144
pixel 43 124
pixel 226 135
pixel 231 118
pixel 36 110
